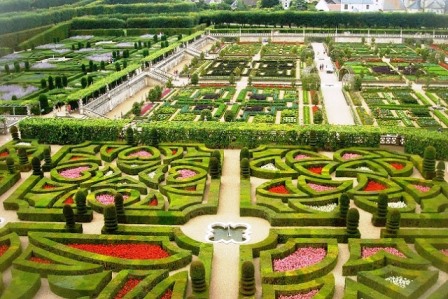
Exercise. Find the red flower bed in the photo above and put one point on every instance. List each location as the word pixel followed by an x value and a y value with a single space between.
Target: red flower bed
pixel 397 166
pixel 69 201
pixel 133 251
pixel 444 65
pixel 213 84
pixel 48 187
pixel 75 158
pixel 127 287
pixel 280 189
pixel 316 170
pixel 109 149
pixel 173 151
pixel 40 260
pixel 3 249
pixel 374 186
pixel 146 108
pixel 315 109
pixel 192 188
pixel 165 92
pixel 153 202
pixel 168 294
pixel 4 154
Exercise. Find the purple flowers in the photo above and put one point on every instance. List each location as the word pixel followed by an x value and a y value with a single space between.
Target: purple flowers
pixel 141 154
pixel 100 57
pixel 301 156
pixel 186 173
pixel 307 295
pixel 105 199
pixel 8 91
pixel 50 46
pixel 422 188
pixel 369 251
pixel 301 258
pixel 73 173
pixel 42 66
pixel 320 188
pixel 125 45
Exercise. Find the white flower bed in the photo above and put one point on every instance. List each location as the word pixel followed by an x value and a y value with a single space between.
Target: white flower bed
pixel 269 166
pixel 400 281
pixel 23 144
pixel 81 37
pixel 152 174
pixel 110 172
pixel 397 205
pixel 326 208
pixel 364 168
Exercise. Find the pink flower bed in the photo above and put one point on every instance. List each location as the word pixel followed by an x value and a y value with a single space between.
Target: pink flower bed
pixel 186 173
pixel 165 92
pixel 105 199
pixel 146 108
pixel 444 251
pixel 348 156
pixel 422 188
pixel 301 258
pixel 301 156
pixel 320 188
pixel 307 295
pixel 369 251
pixel 73 173
pixel 141 154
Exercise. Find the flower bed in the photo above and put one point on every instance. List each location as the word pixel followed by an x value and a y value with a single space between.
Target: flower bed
pixel 185 174
pixel 125 251
pixel 397 205
pixel 400 281
pixel 269 166
pixel 374 186
pixel 127 287
pixel 48 187
pixel 105 199
pixel 397 166
pixel 40 260
pixel 3 249
pixel 167 295
pixel 153 202
pixel 301 258
pixel 4 154
pixel 307 295
pixel 301 156
pixel 325 208
pixel 321 188
pixel 73 173
pixel 141 154
pixel 316 170
pixel 422 188
pixel 349 156
pixel 443 251
pixel 369 251
pixel 280 189
pixel 69 201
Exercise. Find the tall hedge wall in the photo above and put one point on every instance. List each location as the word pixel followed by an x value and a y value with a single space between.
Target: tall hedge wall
pixel 11 40
pixel 60 31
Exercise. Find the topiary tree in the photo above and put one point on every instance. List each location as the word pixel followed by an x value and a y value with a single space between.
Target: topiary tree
pixel 247 283
pixel 244 153
pixel 429 163
pixel 194 79
pixel 383 201
pixel 47 158
pixel 110 220
pixel 440 172
pixel 344 204
pixel 23 157
pixel 197 273
pixel 217 155
pixel 80 201
pixel 37 170
pixel 245 168
pixel 14 133
pixel 229 116
pixel 70 224
pixel 393 222
pixel 154 137
pixel 119 206
pixel 214 168
pixel 130 136
pixel 10 165
pixel 313 139
pixel 352 223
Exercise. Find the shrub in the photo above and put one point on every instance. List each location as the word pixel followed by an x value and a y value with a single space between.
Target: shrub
pixel 47 158
pixel 313 139
pixel 130 136
pixel 429 162
pixel 110 219
pixel 440 172
pixel 14 133
pixel 245 168
pixel 118 200
pixel 69 218
pixel 344 204
pixel 383 200
pixel 37 170
pixel 217 155
pixel 80 200
pixel 244 153
pixel 197 273
pixel 214 168
pixel 153 137
pixel 23 157
pixel 10 165
pixel 352 223
pixel 247 284
pixel 393 222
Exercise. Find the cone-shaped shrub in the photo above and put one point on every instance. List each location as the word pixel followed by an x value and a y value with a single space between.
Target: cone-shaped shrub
pixel 429 163
pixel 14 133
pixel 23 157
pixel 110 219
pixel 217 155
pixel 352 223
pixel 244 153
pixel 197 273
pixel 10 165
pixel 37 170
pixel 383 200
pixel 119 206
pixel 245 168
pixel 344 204
pixel 80 200
pixel 69 218
pixel 153 137
pixel 440 172
pixel 313 139
pixel 130 140
pixel 247 283
pixel 47 158
pixel 393 222
pixel 214 168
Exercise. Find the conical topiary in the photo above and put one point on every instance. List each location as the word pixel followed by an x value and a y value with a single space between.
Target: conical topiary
pixel 110 220
pixel 440 172
pixel 383 201
pixel 197 273
pixel 245 168
pixel 344 204
pixel 153 137
pixel 80 201
pixel 217 155
pixel 214 168
pixel 130 140
pixel 352 223
pixel 247 283
pixel 10 165
pixel 393 222
pixel 69 218
pixel 313 139
pixel 23 156
pixel 14 133
pixel 47 158
pixel 37 170
pixel 119 206
pixel 429 163
pixel 244 153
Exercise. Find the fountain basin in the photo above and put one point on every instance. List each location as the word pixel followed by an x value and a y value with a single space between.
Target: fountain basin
pixel 219 232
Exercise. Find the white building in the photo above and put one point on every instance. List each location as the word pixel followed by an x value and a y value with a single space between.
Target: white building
pixel 361 5
pixel 285 3
pixel 434 6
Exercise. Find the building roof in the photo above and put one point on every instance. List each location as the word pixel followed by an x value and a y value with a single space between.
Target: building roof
pixel 357 2
pixel 391 5
pixel 417 5
pixel 435 5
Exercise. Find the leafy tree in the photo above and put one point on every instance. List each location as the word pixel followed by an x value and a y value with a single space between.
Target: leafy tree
pixel 50 83
pixel 268 3
pixel 194 79
pixel 7 70
pixel 84 82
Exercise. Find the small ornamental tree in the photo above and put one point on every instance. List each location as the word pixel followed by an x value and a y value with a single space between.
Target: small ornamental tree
pixel 194 79
pixel 229 115
pixel 110 220
pixel 383 200
pixel 197 273
pixel 70 224
pixel 47 158
pixel 214 168
pixel 80 201
pixel 10 165
pixel 43 83
pixel 217 155
pixel 440 172
pixel 37 170
pixel 130 136
pixel 353 223
pixel 429 163
pixel 23 157
pixel 244 153
pixel 344 204
pixel 119 206
pixel 313 139
pixel 14 133
pixel 154 137
pixel 393 222
pixel 245 168
pixel 247 283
